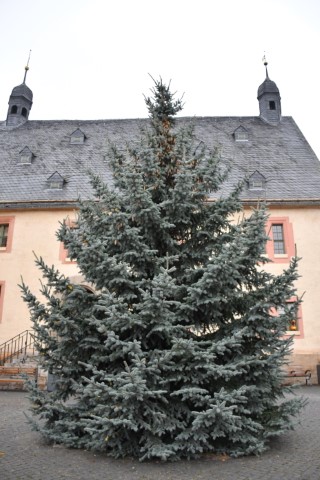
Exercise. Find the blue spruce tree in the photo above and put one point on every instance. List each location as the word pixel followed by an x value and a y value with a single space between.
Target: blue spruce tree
pixel 176 352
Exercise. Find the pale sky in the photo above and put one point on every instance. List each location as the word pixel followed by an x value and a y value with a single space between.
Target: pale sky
pixel 91 59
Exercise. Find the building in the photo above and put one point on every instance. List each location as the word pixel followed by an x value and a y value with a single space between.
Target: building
pixel 44 168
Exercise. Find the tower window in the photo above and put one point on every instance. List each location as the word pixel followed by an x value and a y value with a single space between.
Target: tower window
pixel 14 109
pixel 272 105
pixel 24 112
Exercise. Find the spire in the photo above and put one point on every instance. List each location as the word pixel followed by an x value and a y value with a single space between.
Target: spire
pixel 26 68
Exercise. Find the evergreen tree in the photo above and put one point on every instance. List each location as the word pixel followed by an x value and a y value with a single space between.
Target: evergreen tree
pixel 177 351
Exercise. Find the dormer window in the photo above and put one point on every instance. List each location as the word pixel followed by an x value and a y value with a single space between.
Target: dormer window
pixel 24 112
pixel 55 182
pixel 77 137
pixel 241 134
pixel 26 156
pixel 257 181
pixel 14 109
pixel 256 185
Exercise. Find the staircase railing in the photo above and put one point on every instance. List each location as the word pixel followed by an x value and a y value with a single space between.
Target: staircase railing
pixel 19 346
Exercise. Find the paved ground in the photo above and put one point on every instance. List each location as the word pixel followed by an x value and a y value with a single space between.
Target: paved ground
pixel 24 456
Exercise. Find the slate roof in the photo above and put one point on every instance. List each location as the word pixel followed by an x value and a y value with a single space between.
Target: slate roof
pixel 268 86
pixel 280 153
pixel 22 91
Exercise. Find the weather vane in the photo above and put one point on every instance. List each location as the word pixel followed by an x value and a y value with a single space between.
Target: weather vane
pixel 26 68
pixel 265 63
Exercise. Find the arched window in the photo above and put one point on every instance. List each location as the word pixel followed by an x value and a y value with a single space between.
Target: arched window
pixel 14 109
pixel 24 112
pixel 88 289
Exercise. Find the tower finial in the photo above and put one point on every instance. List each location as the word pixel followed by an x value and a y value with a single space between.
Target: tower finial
pixel 265 63
pixel 26 68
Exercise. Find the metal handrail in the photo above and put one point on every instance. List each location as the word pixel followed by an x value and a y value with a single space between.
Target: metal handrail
pixel 21 344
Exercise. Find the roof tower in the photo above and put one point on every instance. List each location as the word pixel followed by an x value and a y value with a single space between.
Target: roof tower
pixel 269 99
pixel 20 102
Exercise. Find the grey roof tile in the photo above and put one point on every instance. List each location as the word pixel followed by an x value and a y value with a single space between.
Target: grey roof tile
pixel 280 153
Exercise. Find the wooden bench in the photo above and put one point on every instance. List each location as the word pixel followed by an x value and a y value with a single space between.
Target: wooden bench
pixel 296 371
pixel 15 374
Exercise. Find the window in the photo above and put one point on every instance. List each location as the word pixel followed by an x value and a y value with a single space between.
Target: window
pixel 6 232
pixel 77 137
pixel 257 181
pixel 241 134
pixel 14 109
pixel 242 137
pixel 4 229
pixel 64 255
pixel 55 182
pixel 272 105
pixel 55 185
pixel 26 156
pixel 24 112
pixel 280 247
pixel 278 238
pixel 256 185
pixel 1 297
pixel 296 324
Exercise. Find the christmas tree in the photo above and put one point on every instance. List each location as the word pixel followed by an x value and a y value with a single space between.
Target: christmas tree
pixel 177 350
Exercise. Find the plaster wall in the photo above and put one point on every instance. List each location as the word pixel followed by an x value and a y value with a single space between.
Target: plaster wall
pixel 34 233
pixel 306 234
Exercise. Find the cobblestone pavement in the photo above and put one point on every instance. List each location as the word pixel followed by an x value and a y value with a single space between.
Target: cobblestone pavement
pixel 24 455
